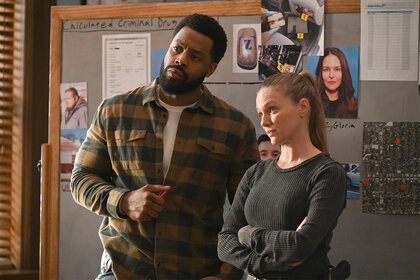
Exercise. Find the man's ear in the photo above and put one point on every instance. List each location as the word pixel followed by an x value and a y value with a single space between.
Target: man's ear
pixel 211 69
pixel 304 107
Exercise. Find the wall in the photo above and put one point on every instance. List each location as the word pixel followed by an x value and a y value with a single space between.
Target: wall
pixel 377 246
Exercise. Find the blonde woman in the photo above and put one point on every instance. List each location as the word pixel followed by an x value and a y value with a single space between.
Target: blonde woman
pixel 285 209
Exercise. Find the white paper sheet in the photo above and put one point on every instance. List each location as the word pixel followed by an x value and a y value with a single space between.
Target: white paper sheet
pixel 389 40
pixel 126 62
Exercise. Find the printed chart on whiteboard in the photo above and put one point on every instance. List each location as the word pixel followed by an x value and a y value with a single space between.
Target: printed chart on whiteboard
pixel 389 40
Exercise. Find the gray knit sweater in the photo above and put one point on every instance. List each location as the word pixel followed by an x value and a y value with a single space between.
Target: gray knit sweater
pixel 271 202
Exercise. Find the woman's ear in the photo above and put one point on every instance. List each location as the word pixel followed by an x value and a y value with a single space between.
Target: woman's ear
pixel 304 107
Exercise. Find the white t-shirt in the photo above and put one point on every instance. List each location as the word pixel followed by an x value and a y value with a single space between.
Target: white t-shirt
pixel 170 130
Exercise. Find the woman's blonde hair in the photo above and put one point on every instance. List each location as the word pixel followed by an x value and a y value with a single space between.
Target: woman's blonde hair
pixel 298 86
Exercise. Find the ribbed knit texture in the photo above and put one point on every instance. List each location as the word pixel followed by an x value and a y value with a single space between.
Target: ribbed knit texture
pixel 274 202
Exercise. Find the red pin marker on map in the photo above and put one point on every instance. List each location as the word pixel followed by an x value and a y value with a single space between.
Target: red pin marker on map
pixel 398 141
pixel 365 181
pixel 403 187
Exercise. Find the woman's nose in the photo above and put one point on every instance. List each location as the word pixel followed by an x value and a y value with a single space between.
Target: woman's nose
pixel 264 120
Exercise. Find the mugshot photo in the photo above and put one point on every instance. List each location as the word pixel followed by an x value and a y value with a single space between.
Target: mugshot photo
pixel 73 105
pixel 337 75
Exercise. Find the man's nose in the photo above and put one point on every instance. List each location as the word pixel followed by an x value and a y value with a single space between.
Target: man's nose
pixel 181 59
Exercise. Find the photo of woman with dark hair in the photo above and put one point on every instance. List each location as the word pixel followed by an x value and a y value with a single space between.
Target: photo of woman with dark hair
pixel 335 84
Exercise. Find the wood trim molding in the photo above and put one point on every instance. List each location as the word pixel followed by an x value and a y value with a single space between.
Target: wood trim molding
pixel 49 219
pixel 51 162
pixel 179 9
pixel 342 6
pixel 184 8
pixel 19 274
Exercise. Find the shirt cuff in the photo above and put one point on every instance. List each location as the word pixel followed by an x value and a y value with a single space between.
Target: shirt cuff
pixel 114 200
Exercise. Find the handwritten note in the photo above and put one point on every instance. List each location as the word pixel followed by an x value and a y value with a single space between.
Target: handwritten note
pixel 339 125
pixel 146 24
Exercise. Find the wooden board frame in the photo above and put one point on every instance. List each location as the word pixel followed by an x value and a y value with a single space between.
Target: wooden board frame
pixel 50 177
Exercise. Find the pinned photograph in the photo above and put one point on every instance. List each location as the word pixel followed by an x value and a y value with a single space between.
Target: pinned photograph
pixel 70 142
pixel 278 59
pixel 74 105
pixel 336 75
pixel 246 38
pixel 352 180
pixel 294 22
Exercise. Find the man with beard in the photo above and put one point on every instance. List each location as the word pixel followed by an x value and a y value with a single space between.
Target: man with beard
pixel 158 161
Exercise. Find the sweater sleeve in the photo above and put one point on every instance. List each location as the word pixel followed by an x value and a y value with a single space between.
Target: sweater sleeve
pixel 229 249
pixel 245 155
pixel 273 250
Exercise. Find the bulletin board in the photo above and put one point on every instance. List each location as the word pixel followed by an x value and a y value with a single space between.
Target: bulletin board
pixel 68 230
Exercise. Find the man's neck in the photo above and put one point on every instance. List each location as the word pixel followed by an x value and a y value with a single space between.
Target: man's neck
pixel 180 99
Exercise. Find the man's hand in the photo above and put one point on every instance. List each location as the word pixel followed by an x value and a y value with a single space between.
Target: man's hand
pixel 143 204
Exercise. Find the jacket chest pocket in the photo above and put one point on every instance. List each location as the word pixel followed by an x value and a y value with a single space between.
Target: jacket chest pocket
pixel 214 148
pixel 213 164
pixel 127 152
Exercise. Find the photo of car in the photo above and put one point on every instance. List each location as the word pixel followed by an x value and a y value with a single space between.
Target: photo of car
pixel 352 179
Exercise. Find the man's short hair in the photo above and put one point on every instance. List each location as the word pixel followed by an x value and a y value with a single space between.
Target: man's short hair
pixel 263 138
pixel 74 91
pixel 209 27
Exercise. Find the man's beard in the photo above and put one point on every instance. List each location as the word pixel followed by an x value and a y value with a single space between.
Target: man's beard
pixel 173 86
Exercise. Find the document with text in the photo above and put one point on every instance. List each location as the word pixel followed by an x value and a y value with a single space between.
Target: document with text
pixel 126 62
pixel 389 40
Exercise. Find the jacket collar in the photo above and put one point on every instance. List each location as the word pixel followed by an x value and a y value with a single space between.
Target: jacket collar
pixel 205 103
